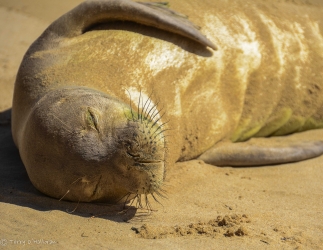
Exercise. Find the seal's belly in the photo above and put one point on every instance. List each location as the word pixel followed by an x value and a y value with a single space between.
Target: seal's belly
pixel 264 79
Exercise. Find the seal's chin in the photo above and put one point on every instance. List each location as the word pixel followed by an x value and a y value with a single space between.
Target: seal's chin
pixel 81 145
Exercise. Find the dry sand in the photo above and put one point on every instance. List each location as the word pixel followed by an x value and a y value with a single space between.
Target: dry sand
pixel 274 207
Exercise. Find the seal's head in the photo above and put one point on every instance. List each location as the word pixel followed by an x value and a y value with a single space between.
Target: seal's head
pixel 87 146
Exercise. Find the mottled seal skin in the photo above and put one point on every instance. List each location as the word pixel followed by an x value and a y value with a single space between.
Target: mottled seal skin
pixel 89 129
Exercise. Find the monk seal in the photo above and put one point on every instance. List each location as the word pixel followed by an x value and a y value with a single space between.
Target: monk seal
pixel 97 92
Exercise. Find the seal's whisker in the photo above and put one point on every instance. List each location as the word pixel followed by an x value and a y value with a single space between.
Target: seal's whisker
pixel 153 114
pixel 148 204
pixel 64 195
pixel 161 188
pixel 152 194
pixel 78 179
pixel 160 126
pixel 142 107
pixel 165 136
pixel 133 200
pixel 126 115
pixel 139 104
pixel 156 130
pixel 126 201
pixel 163 124
pixel 149 101
pixel 160 194
pixel 154 108
pixel 70 212
pixel 156 112
pixel 139 202
pixel 160 138
pixel 64 124
pixel 130 104
pixel 152 118
pixel 146 105
pixel 158 118
pixel 165 184
pixel 160 133
pixel 161 115
pixel 145 112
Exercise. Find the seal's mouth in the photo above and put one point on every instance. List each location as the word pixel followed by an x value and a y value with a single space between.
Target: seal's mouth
pixel 137 159
pixel 148 161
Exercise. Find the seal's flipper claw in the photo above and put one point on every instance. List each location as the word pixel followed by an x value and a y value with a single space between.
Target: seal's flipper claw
pixel 263 151
pixel 93 12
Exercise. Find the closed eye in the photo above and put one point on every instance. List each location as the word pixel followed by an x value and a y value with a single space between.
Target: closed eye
pixel 92 118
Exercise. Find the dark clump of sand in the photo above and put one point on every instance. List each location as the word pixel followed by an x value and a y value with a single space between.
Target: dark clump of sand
pixel 221 226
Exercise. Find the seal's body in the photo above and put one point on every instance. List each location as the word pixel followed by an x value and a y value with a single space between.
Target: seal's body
pixel 264 79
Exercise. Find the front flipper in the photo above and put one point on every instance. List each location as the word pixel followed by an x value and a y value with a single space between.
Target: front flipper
pixel 93 12
pixel 266 151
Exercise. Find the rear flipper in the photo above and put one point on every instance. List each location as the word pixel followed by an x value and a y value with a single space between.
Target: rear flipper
pixel 266 151
pixel 92 12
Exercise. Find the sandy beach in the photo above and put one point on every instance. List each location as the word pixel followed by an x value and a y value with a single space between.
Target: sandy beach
pixel 207 207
